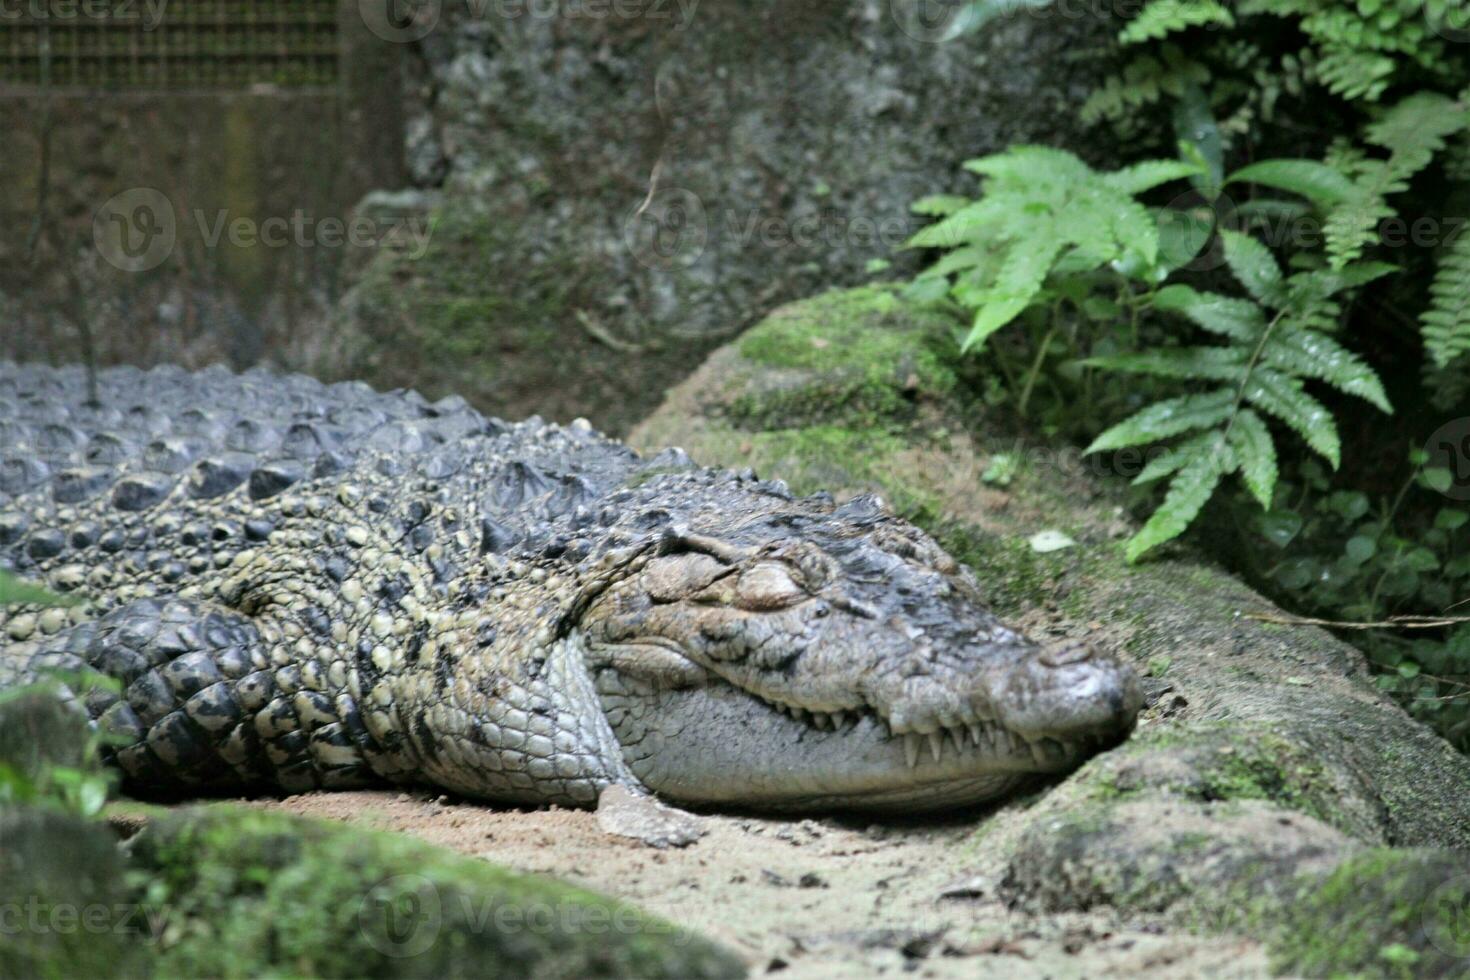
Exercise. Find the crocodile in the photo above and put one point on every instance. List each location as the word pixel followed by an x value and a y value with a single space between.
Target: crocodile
pixel 295 585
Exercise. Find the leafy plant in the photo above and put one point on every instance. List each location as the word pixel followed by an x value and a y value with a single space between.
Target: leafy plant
pixel 1050 232
pixel 1304 129
pixel 49 756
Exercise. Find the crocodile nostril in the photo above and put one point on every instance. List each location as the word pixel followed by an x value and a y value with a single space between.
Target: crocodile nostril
pixel 1066 653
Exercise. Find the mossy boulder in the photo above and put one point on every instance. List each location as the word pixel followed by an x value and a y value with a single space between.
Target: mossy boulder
pixel 64 909
pixel 251 893
pixel 1265 762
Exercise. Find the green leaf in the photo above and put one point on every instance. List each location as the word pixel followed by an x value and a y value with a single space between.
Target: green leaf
pixel 1140 177
pixel 1163 17
pixel 1182 236
pixel 1280 527
pixel 1132 227
pixel 962 226
pixel 993 315
pixel 1167 418
pixel 1016 285
pixel 1188 491
pixel 1360 548
pixel 1238 319
pixel 1437 478
pixel 1283 397
pixel 1253 265
pixel 1309 354
pixel 939 205
pixel 1445 325
pixel 1450 519
pixel 1255 450
pixel 1172 459
pixel 1212 363
pixel 1199 138
pixel 1315 181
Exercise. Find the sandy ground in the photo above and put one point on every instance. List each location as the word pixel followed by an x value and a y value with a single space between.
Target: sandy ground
pixel 808 898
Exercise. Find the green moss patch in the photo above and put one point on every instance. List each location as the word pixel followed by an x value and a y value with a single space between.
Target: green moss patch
pixel 1222 762
pixel 859 357
pixel 250 893
pixel 1381 913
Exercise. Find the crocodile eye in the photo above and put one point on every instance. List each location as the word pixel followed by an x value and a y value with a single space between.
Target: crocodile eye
pixel 767 586
pixel 679 576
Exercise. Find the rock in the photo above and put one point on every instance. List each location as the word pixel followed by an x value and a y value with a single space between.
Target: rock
pixel 64 900
pixel 1242 802
pixel 788 141
pixel 261 893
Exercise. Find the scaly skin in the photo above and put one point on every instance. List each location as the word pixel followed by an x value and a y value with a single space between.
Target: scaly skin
pixel 300 586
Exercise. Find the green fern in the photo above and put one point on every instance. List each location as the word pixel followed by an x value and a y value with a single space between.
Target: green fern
pixel 1445 326
pixel 1413 131
pixel 1360 47
pixel 1041 206
pixel 1273 349
pixel 1049 229
pixel 1144 81
pixel 1164 17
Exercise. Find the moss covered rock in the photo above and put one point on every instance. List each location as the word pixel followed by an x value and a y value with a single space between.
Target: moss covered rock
pixel 251 893
pixel 1265 762
pixel 64 909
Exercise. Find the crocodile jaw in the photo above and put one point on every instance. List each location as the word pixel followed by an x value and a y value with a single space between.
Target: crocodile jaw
pixel 694 738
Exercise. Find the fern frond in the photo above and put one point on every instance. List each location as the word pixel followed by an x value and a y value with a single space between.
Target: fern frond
pixel 1149 174
pixel 1167 418
pixel 1315 181
pixel 1164 17
pixel 1255 451
pixel 1191 487
pixel 1282 396
pixel 1252 264
pixel 1355 74
pixel 1238 319
pixel 1413 132
pixel 1310 354
pixel 1203 363
pixel 1174 458
pixel 1016 285
pixel 939 205
pixel 1145 81
pixel 1445 326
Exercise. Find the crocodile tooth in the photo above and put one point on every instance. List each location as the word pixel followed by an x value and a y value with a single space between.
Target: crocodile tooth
pixel 936 742
pixel 821 719
pixel 1038 752
pixel 911 749
pixel 956 736
pixel 839 719
pixel 975 732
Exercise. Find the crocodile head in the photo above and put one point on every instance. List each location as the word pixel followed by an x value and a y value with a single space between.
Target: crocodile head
pixel 806 657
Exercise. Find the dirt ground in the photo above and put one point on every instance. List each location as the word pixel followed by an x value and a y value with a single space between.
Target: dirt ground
pixel 809 898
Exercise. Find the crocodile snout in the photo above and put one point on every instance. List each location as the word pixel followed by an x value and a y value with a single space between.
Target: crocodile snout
pixel 1068 691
